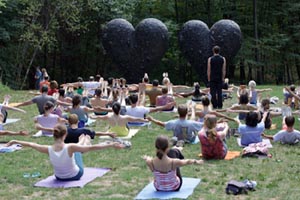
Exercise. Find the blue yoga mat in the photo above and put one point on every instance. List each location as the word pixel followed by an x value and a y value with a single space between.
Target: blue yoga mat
pixel 187 188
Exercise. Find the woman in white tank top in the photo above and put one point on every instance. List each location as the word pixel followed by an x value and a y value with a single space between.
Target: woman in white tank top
pixel 66 158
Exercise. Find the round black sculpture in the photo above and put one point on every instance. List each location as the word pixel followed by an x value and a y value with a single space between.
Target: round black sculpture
pixel 135 51
pixel 196 42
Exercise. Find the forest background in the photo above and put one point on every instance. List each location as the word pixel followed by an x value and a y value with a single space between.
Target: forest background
pixel 65 37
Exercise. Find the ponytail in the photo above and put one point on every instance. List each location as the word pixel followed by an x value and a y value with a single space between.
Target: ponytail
pixel 159 153
pixel 211 135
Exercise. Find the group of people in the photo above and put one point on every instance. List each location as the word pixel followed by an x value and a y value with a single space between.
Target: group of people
pixel 123 105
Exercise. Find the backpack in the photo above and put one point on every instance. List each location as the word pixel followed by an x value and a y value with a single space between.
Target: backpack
pixel 236 187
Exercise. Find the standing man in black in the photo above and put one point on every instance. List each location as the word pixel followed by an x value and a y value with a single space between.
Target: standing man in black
pixel 216 70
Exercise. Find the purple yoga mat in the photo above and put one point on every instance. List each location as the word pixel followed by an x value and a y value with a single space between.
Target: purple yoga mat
pixel 89 175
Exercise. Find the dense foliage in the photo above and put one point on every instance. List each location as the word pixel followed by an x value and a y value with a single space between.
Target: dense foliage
pixel 65 37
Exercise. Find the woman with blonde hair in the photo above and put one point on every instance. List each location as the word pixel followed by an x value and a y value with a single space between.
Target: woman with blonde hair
pixel 213 145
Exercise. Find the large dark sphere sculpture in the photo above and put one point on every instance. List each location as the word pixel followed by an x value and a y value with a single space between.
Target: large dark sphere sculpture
pixel 135 51
pixel 196 42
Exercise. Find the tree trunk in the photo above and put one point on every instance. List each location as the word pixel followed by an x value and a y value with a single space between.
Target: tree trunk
pixel 242 71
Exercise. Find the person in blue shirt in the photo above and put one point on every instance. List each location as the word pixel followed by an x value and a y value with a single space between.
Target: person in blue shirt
pixel 252 131
pixel 182 128
pixel 38 78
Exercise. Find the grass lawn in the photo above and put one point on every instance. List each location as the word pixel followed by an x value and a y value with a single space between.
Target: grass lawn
pixel 277 177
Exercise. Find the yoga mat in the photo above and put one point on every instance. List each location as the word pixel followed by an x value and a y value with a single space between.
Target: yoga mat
pixel 266 141
pixel 132 132
pixel 230 155
pixel 187 188
pixel 9 149
pixel 89 175
pixel 9 121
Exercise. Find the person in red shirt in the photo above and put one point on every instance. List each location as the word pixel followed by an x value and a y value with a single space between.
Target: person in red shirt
pixel 45 82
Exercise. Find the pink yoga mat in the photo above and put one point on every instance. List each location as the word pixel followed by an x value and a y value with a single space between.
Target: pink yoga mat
pixel 89 175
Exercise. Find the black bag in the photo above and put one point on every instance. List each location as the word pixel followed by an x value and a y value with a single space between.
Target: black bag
pixel 236 187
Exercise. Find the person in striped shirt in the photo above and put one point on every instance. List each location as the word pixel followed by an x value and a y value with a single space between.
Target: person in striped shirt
pixel 165 166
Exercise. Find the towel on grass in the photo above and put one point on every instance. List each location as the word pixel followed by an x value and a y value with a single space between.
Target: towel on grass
pixel 89 175
pixel 9 149
pixel 132 132
pixel 9 121
pixel 187 188
pixel 229 156
pixel 266 141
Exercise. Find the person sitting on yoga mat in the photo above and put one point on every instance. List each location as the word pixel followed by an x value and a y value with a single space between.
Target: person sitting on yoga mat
pixel 74 132
pixel 118 122
pixel 207 109
pixel 213 144
pixel 288 135
pixel 183 129
pixel 196 93
pixel 242 108
pixel 98 100
pixel 165 166
pixel 66 159
pixel 47 121
pixel 81 111
pixel 135 110
pixel 252 131
pixel 164 99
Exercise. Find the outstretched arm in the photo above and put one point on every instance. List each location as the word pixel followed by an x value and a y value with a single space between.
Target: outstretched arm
pixel 100 133
pixel 165 107
pixel 135 119
pixel 263 90
pixel 13 108
pixel 160 123
pixel 267 136
pixel 180 163
pixel 38 147
pixel 25 103
pixel 4 132
pixel 222 115
pixel 80 148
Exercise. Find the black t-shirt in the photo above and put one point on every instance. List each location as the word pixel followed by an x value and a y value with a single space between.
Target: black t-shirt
pixel 74 134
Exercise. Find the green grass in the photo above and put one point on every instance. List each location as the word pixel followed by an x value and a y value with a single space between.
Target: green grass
pixel 277 178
